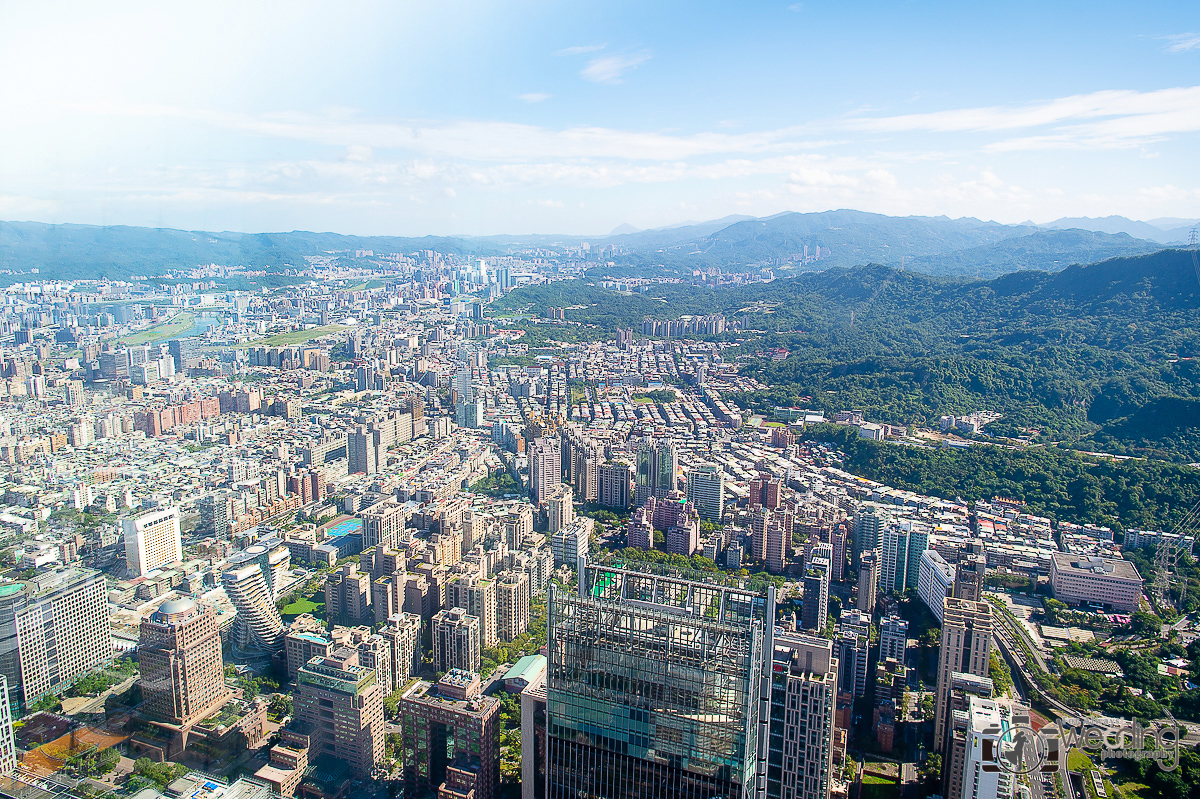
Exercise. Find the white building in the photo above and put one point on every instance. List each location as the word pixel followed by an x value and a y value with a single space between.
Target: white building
pixel 572 542
pixel 935 582
pixel 987 724
pixel 152 540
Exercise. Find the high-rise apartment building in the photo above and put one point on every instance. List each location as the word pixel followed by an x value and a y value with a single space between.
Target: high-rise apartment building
pixel 453 734
pixel 616 485
pixel 815 611
pixel 655 475
pixel 804 686
pixel 706 490
pixel 179 655
pixel 545 469
pixel 152 540
pixel 340 702
pixel 365 451
pixel 403 635
pixel 935 581
pixel 477 597
pixel 348 595
pixel 561 507
pixel 456 639
pixel 572 542
pixel 638 665
pixel 963 687
pixel 383 523
pixel 53 630
pixel 258 629
pixel 900 556
pixel 8 744
pixel 981 779
pixel 868 577
pixel 854 649
pixel 766 491
pixel 970 574
pixel 512 605
pixel 966 647
pixel 893 638
pixel 868 530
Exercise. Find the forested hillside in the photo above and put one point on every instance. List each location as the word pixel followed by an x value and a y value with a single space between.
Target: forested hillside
pixel 1073 354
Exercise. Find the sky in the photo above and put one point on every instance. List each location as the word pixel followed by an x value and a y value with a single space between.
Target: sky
pixel 447 117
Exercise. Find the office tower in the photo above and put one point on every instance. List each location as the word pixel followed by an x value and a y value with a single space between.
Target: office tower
pixel 152 540
pixel 383 523
pixel 258 628
pixel 469 414
pixel 464 384
pixel 868 530
pixel 963 687
pixel 478 598
pixel 671 669
pixel 512 605
pixel 456 638
pixel 183 351
pixel 8 744
pixel 966 647
pixel 453 733
pixel 403 635
pixel 804 684
pixel 348 595
pixel 616 485
pixel 969 575
pixel 53 629
pixel 815 612
pixel 766 491
pixel 854 642
pixel 179 654
pixel 545 469
pixel 572 542
pixel 893 638
pixel 706 490
pixel 657 464
pixel 935 582
pixel 340 702
pixel 981 779
pixel 561 508
pixel 868 577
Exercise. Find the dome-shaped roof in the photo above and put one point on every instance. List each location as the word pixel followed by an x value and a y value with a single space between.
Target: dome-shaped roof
pixel 178 605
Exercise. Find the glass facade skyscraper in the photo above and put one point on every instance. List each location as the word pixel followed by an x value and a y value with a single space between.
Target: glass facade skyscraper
pixel 655 687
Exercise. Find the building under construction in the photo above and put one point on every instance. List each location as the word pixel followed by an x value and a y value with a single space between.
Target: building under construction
pixel 655 687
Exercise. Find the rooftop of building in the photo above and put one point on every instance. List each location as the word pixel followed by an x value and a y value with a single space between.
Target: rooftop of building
pixel 1084 565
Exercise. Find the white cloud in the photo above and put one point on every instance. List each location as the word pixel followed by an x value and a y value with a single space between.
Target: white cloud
pixel 534 97
pixel 1182 42
pixel 580 49
pixel 796 7
pixel 610 69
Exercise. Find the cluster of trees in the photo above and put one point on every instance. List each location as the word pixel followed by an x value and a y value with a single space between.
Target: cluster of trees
pixel 497 485
pixel 147 773
pixel 1059 483
pixel 92 762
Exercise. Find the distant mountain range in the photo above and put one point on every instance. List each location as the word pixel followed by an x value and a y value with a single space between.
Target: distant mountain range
pixel 787 243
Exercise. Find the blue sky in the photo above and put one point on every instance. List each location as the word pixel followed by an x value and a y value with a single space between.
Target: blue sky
pixel 448 117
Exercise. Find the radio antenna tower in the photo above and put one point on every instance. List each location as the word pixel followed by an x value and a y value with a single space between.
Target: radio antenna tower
pixel 1194 246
